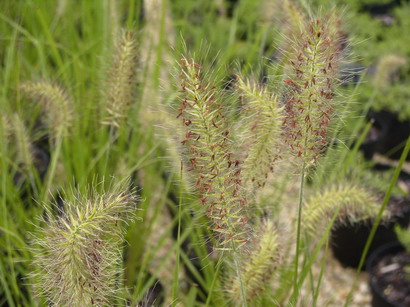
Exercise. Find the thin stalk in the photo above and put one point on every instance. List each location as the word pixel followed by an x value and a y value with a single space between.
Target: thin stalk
pixel 52 170
pixel 143 287
pixel 307 256
pixel 5 224
pixel 178 251
pixel 314 255
pixel 379 218
pixel 302 186
pixel 322 270
pixel 211 289
pixel 238 272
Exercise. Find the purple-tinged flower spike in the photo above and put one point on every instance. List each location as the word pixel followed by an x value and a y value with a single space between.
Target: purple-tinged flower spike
pixel 311 80
pixel 208 154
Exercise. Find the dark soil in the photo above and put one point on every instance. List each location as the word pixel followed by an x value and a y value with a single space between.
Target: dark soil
pixel 391 277
pixel 387 135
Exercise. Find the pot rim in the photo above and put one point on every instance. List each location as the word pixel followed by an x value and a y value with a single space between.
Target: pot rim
pixel 384 250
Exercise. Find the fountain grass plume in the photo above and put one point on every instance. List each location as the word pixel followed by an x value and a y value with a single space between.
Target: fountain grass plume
pixel 257 267
pixel 23 143
pixel 261 126
pixel 77 253
pixel 208 153
pixel 121 83
pixel 352 201
pixel 56 103
pixel 311 72
pixel 314 62
pixel 293 18
pixel 6 128
pixel 388 66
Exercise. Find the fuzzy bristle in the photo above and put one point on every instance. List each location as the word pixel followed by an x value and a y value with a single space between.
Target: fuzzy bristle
pixel 77 253
pixel 121 83
pixel 23 143
pixel 6 127
pixel 387 67
pixel 312 76
pixel 354 202
pixel 57 105
pixel 258 267
pixel 208 147
pixel 261 131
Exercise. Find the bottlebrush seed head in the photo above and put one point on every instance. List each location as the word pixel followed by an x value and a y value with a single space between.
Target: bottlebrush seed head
pixel 353 201
pixel 120 91
pixel 6 127
pixel 77 254
pixel 257 267
pixel 57 105
pixel 23 143
pixel 312 76
pixel 293 18
pixel 387 67
pixel 261 126
pixel 208 153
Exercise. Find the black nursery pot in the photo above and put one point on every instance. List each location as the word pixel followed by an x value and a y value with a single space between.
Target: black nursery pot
pixel 388 285
pixel 386 136
pixel 348 239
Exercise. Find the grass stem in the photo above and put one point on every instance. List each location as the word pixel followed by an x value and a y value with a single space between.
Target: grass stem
pixel 302 186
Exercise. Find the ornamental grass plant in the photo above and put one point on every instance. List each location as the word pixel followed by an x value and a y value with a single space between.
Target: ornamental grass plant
pixel 233 158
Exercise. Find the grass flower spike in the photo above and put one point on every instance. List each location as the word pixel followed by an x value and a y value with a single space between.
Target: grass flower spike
pixel 262 128
pixel 5 126
pixel 387 68
pixel 312 74
pixel 353 201
pixel 57 104
pixel 23 144
pixel 258 268
pixel 78 253
pixel 121 82
pixel 312 69
pixel 209 155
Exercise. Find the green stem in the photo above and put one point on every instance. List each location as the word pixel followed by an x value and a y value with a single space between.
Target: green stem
pixel 302 186
pixel 52 170
pixel 322 270
pixel 178 251
pixel 211 289
pixel 238 272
